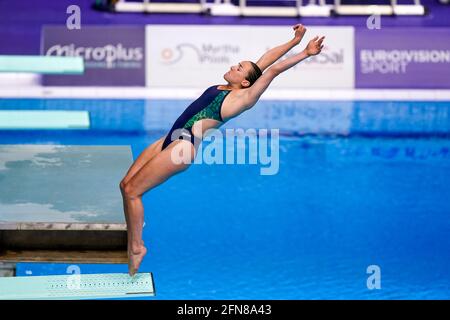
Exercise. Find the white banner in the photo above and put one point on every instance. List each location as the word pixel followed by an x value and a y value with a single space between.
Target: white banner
pixel 199 56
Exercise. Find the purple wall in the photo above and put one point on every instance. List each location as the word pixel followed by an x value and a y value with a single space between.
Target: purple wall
pixel 21 20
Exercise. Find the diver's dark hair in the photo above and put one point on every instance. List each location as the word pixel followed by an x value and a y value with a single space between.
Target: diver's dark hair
pixel 254 74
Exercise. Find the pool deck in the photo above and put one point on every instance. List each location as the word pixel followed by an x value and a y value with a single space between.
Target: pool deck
pixel 76 216
pixel 18 86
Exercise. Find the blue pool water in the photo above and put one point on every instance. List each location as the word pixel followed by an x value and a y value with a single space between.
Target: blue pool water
pixel 337 205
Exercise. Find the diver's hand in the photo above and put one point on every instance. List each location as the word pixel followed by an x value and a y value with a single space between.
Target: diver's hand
pixel 299 32
pixel 314 46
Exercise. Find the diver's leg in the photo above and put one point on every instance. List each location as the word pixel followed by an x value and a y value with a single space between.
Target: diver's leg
pixel 153 173
pixel 143 158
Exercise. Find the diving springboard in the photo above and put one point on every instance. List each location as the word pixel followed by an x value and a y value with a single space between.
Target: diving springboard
pixel 77 286
pixel 42 64
pixel 44 119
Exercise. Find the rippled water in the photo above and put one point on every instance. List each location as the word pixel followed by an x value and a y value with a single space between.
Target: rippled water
pixel 336 206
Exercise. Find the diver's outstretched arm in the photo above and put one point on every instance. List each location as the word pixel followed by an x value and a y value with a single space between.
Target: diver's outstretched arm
pixel 276 53
pixel 252 94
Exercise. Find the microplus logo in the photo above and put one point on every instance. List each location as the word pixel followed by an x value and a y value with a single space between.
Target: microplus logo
pixel 397 61
pixel 108 56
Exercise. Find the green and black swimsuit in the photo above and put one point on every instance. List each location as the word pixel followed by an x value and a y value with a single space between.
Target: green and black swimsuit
pixel 207 106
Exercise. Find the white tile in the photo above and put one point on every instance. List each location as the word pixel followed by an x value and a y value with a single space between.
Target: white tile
pixel 442 95
pixel 192 93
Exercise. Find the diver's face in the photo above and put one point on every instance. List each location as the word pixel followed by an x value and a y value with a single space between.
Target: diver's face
pixel 238 73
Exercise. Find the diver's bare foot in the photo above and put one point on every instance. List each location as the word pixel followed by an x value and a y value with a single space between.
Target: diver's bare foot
pixel 135 256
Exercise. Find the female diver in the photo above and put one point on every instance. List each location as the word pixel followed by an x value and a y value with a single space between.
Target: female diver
pixel 246 82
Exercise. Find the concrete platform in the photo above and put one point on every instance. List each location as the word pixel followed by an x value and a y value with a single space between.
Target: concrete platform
pixel 62 203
